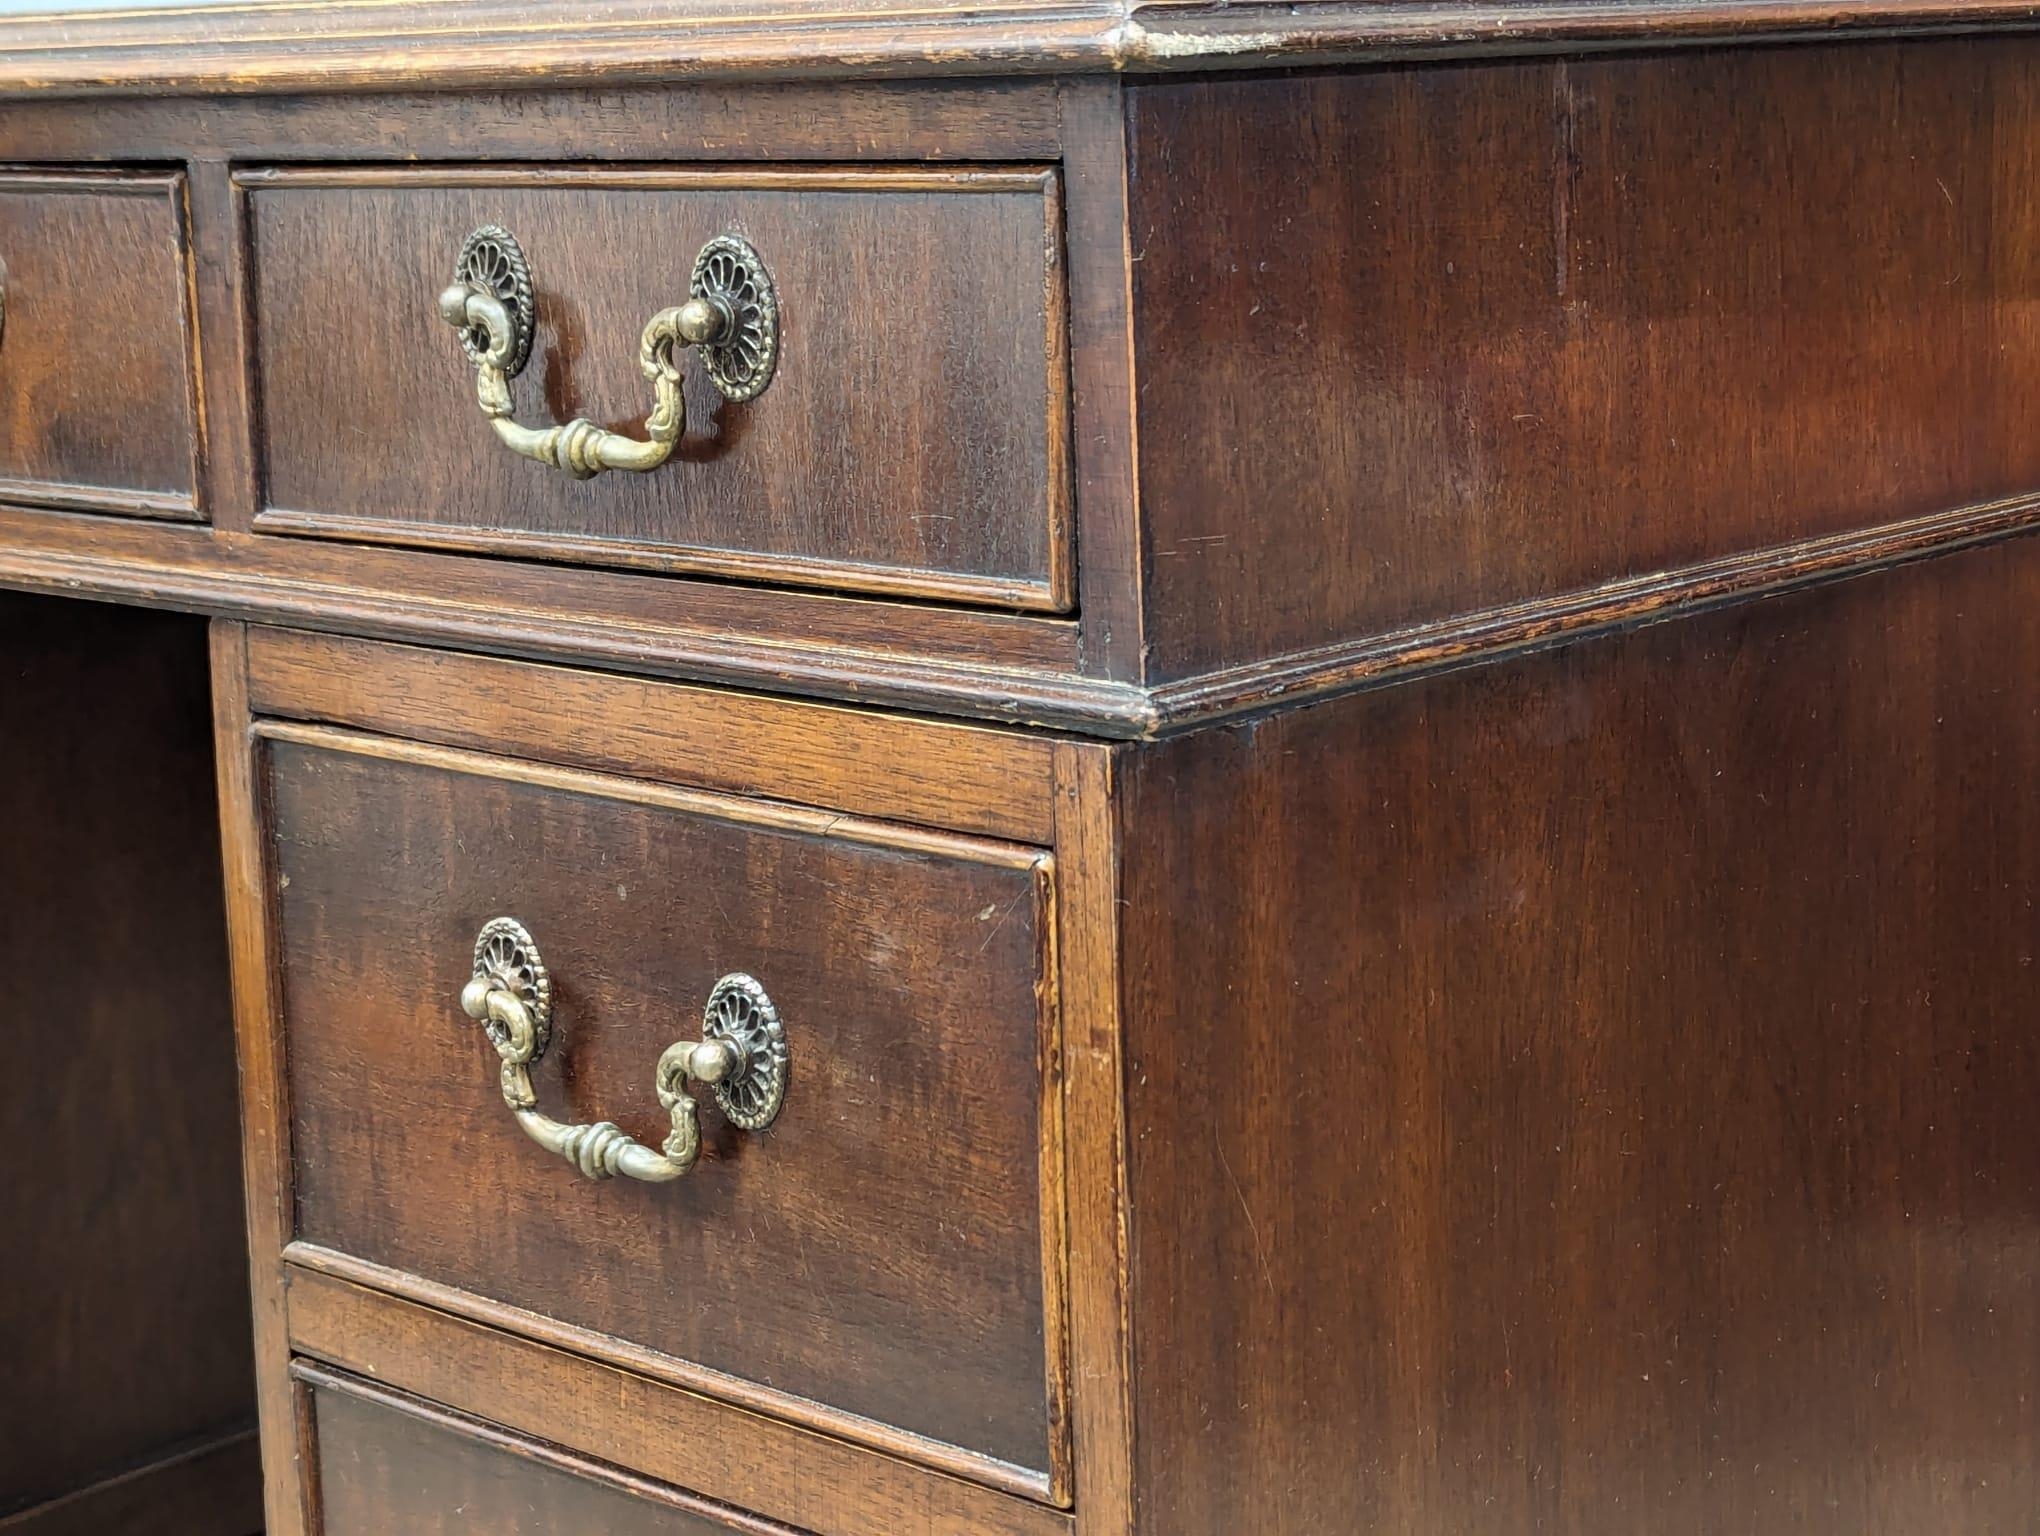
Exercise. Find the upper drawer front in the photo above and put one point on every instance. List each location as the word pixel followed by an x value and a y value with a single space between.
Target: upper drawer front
pixel 95 344
pixel 912 438
pixel 877 1250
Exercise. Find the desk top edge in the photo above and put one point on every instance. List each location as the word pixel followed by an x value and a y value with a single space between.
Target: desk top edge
pixel 331 45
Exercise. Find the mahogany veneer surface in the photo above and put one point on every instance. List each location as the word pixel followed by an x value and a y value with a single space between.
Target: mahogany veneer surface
pixel 1422 342
pixel 1610 1106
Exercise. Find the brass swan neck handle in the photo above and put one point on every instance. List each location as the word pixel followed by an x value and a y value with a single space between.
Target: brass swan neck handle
pixel 731 318
pixel 741 1056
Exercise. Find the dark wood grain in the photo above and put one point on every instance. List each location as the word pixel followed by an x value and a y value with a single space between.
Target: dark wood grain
pixel 124 1308
pixel 393 1466
pixel 878 1250
pixel 812 1481
pixel 1595 1093
pixel 912 440
pixel 95 348
pixel 1529 328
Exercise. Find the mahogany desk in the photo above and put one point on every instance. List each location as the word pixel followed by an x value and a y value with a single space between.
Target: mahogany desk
pixel 1081 769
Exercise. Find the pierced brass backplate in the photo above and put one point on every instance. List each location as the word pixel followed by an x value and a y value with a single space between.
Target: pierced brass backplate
pixel 492 262
pixel 731 275
pixel 741 1015
pixel 506 960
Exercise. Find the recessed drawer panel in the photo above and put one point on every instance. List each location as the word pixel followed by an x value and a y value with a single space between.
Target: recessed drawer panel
pixel 392 1466
pixel 95 344
pixel 902 331
pixel 867 1248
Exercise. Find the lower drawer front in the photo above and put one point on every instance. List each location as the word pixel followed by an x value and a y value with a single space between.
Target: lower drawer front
pixel 393 1466
pixel 874 1255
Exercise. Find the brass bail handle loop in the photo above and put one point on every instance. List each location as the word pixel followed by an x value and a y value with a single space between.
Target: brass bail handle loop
pixel 731 318
pixel 741 1057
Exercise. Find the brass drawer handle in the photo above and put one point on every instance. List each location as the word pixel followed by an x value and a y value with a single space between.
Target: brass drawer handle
pixel 731 317
pixel 742 1056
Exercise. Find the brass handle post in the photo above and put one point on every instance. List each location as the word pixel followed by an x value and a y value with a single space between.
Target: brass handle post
pixel 741 1057
pixel 731 318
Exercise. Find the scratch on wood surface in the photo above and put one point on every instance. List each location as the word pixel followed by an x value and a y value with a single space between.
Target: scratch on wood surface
pixel 1253 1227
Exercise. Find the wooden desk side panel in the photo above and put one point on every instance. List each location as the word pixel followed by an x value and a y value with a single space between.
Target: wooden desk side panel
pixel 1596 1092
pixel 1424 348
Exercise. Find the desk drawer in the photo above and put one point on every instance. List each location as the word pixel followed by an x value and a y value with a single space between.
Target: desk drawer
pixel 874 1255
pixel 909 437
pixel 392 1466
pixel 95 344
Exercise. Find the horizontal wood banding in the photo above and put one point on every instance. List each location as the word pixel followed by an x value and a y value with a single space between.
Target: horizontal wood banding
pixel 698 122
pixel 766 178
pixel 1467 639
pixel 791 1474
pixel 397 600
pixel 113 500
pixel 959 777
pixel 735 809
pixel 994 666
pixel 353 43
pixel 1232 34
